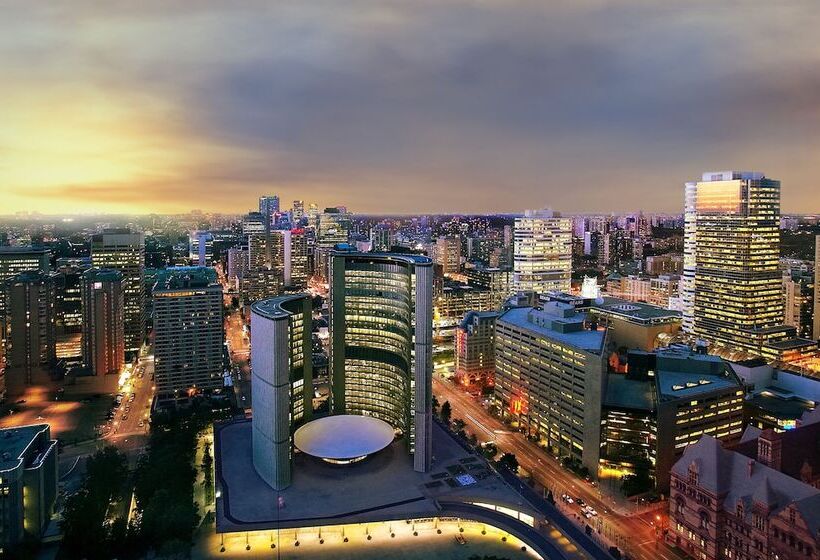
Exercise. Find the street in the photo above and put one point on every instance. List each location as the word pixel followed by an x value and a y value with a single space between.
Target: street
pixel 137 390
pixel 634 533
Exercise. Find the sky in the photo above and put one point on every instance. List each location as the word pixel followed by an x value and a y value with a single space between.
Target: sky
pixel 403 107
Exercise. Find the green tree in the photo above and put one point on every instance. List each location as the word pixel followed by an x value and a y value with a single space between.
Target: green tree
pixel 446 412
pixel 509 461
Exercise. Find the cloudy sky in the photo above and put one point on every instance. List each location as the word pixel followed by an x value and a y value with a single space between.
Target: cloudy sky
pixel 405 106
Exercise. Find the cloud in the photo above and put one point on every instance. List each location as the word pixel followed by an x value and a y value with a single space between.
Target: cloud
pixel 424 106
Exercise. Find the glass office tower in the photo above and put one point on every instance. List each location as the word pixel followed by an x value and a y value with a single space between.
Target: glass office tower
pixel 381 337
pixel 732 286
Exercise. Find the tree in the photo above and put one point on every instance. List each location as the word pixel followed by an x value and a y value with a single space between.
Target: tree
pixel 458 425
pixel 508 461
pixel 434 405
pixel 446 412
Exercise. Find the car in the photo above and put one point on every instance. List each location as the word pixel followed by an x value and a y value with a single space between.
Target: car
pixel 141 423
pixel 581 502
pixel 124 417
pixel 588 515
pixel 127 408
pixel 21 401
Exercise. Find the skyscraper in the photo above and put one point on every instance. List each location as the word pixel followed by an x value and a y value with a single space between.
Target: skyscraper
pixel 188 334
pixel 816 330
pixel 281 380
pixel 732 284
pixel 542 260
pixel 30 326
pixel 124 250
pixel 269 208
pixel 333 228
pixel 103 327
pixel 381 337
pixel 298 212
pixel 448 254
pixel 14 260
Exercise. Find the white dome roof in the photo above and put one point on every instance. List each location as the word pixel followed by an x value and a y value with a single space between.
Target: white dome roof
pixel 343 437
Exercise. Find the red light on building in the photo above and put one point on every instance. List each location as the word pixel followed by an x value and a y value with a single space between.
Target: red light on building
pixel 516 406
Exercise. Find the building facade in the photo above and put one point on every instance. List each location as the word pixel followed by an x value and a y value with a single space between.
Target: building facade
pixel 381 307
pixel 816 322
pixel 448 254
pixel 549 378
pixel 475 349
pixel 124 250
pixel 31 343
pixel 28 483
pixel 281 381
pixel 542 260
pixel 723 505
pixel 188 334
pixel 103 324
pixel 14 260
pixel 732 285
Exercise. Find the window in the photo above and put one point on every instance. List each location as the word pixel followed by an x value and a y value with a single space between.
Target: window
pixel 739 511
pixel 704 520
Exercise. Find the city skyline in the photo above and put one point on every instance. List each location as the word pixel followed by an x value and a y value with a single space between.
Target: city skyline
pixel 457 107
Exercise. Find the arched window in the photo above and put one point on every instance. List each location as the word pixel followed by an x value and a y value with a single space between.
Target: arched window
pixel 704 520
pixel 680 506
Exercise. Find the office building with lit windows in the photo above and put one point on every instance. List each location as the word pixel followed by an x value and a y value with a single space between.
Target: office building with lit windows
pixel 124 250
pixel 816 322
pixel 663 402
pixel 448 254
pixel 188 333
pixel 281 381
pixel 289 254
pixel 550 368
pixel 28 484
pixel 31 310
pixel 14 260
pixel 475 348
pixel 732 285
pixel 381 341
pixel 333 227
pixel 103 329
pixel 542 256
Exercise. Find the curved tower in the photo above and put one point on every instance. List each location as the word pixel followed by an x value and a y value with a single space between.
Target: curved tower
pixel 281 382
pixel 381 335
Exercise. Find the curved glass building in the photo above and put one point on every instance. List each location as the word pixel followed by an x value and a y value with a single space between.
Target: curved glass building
pixel 381 335
pixel 281 382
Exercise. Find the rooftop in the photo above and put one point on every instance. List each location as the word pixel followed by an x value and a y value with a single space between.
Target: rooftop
pixel 556 322
pixel 176 277
pixel 350 251
pixel 22 250
pixel 343 436
pixel 622 392
pixel 635 311
pixel 15 441
pixel 273 308
pixel 745 481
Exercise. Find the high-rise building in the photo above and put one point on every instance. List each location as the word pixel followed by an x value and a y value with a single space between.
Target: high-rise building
pixel 188 334
pixel 298 212
pixel 124 250
pixel 550 366
pixel 69 312
pixel 294 257
pixel 201 248
pixel 381 308
pixel 28 488
pixel 475 348
pixel 448 254
pixel 732 285
pixel 816 329
pixel 542 259
pixel 265 274
pixel 103 327
pixel 381 237
pixel 333 228
pixel 30 326
pixel 269 208
pixel 281 381
pixel 14 260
